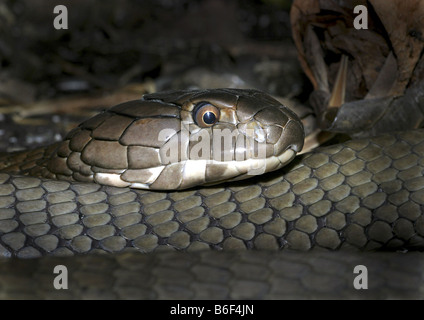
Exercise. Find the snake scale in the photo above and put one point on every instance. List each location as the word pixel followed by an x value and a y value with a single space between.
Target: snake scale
pixel 362 194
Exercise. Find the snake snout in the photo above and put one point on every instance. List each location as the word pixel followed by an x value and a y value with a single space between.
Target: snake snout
pixel 292 137
pixel 284 130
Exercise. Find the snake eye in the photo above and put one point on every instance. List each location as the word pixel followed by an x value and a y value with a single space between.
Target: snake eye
pixel 206 114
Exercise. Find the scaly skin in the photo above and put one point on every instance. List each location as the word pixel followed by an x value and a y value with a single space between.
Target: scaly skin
pixel 160 142
pixel 218 275
pixel 365 194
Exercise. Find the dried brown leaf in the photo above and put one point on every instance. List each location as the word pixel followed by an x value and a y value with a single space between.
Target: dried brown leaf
pixel 384 62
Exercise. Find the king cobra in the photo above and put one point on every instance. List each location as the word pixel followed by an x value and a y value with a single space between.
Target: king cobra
pixel 113 184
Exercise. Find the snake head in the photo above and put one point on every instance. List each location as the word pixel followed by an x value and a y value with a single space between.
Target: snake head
pixel 181 139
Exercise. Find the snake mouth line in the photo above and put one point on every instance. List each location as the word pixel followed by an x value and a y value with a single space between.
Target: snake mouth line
pixel 200 172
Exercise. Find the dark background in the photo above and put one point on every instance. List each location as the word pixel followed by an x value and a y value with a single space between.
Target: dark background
pixel 112 43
